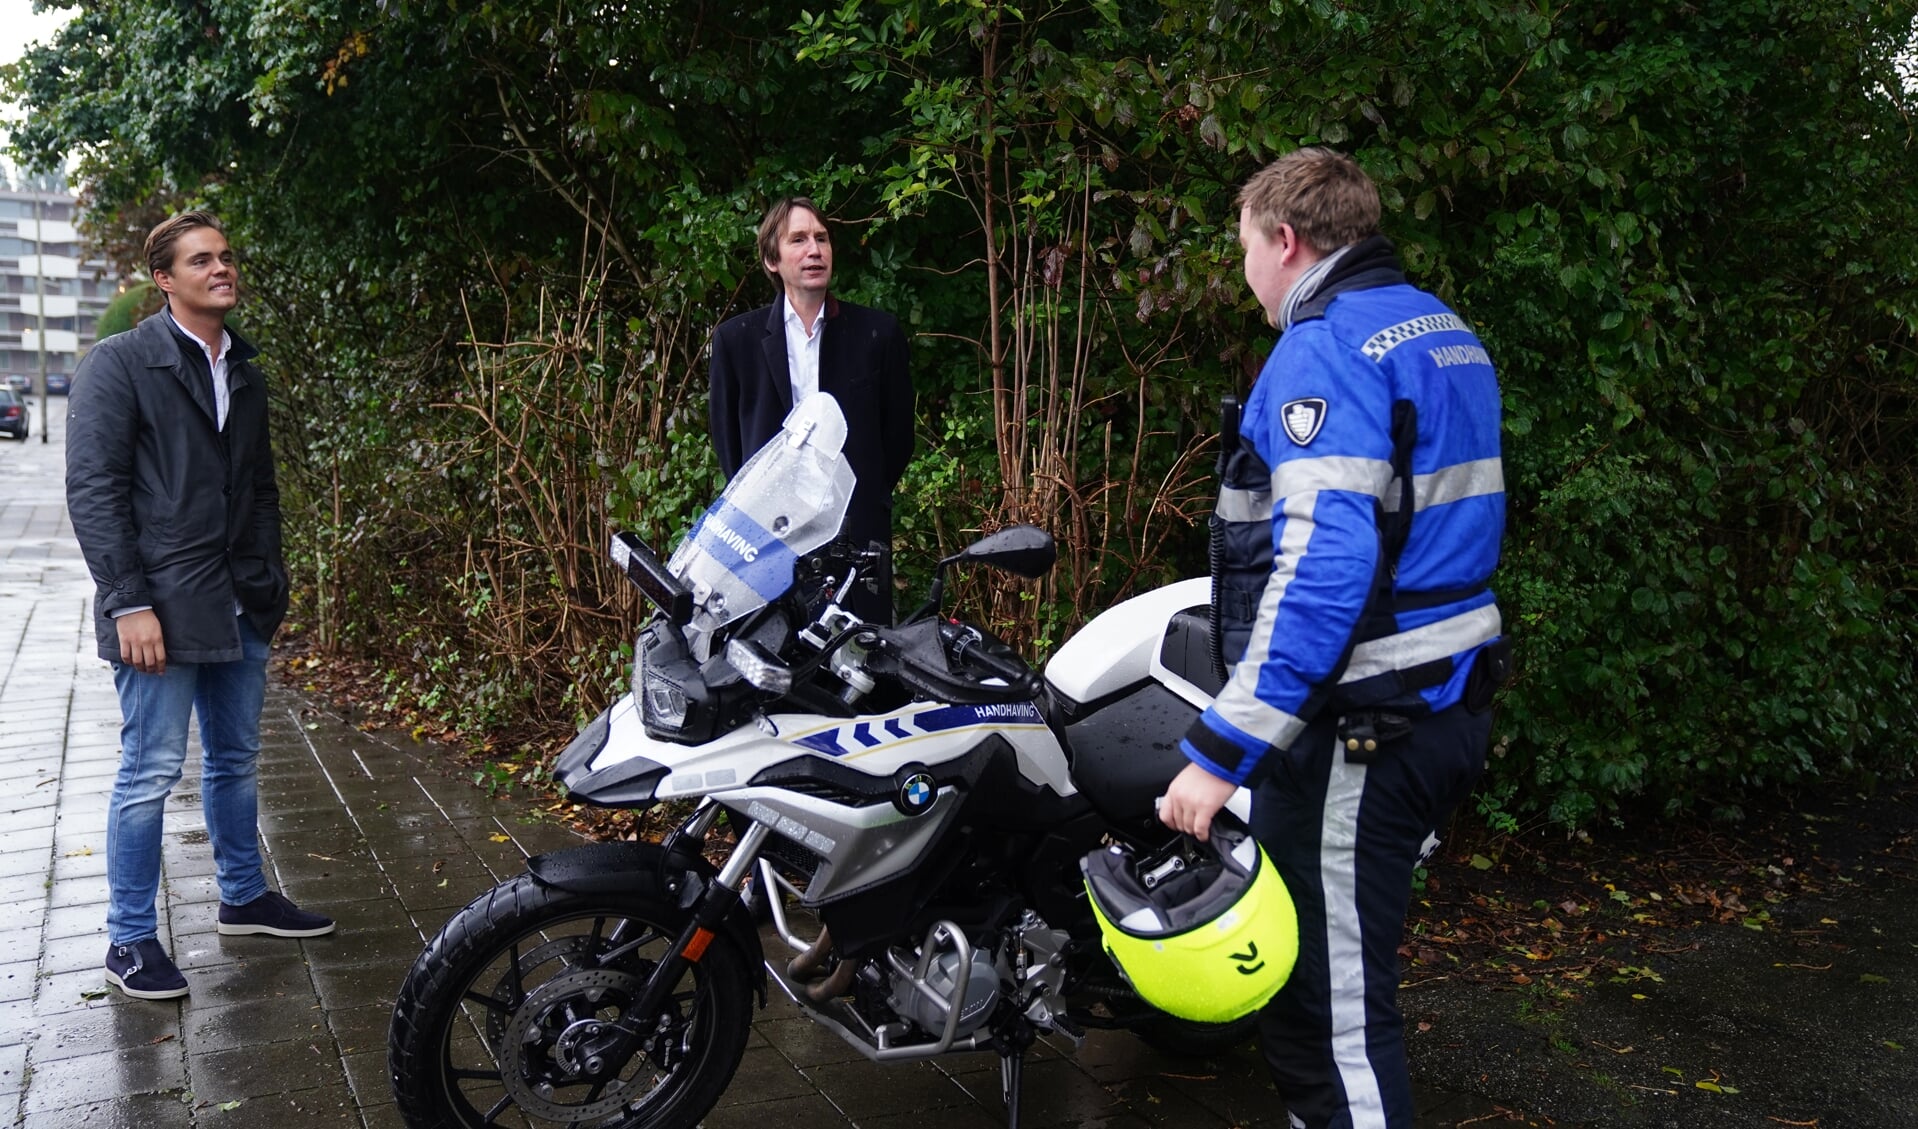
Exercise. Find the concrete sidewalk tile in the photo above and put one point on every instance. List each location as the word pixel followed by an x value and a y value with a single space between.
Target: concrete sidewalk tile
pixel 808 1109
pixel 326 1107
pixel 361 1030
pixel 24 886
pixel 101 1030
pixel 263 1069
pixel 70 1082
pixel 140 1111
pixel 76 921
pixel 91 819
pixel 210 947
pixel 78 892
pixel 388 1117
pixel 26 919
pixel 191 889
pixel 36 839
pixel 387 948
pixel 73 954
pixel 81 863
pixel 86 989
pixel 366 1076
pixel 252 1022
pixel 28 818
pixel 974 1117
pixel 18 979
pixel 13 1070
pixel 283 977
pixel 335 887
pixel 356 987
pixel 189 859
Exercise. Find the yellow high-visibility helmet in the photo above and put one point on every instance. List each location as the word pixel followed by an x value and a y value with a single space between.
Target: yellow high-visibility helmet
pixel 1204 931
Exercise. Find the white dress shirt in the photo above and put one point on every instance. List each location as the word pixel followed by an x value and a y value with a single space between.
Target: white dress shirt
pixel 802 351
pixel 222 395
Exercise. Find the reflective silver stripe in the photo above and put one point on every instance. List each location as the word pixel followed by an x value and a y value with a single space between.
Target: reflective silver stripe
pixel 1392 336
pixel 1354 475
pixel 1344 940
pixel 1238 703
pixel 1430 643
pixel 1244 505
pixel 1463 480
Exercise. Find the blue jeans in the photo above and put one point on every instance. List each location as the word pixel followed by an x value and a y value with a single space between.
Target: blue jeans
pixel 155 710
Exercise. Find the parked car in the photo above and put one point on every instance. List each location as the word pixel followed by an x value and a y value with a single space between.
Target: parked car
pixel 19 382
pixel 59 383
pixel 13 414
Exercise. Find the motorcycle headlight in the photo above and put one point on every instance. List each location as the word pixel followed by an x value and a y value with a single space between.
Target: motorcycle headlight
pixel 662 702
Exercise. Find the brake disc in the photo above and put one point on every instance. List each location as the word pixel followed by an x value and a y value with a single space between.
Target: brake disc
pixel 546 1045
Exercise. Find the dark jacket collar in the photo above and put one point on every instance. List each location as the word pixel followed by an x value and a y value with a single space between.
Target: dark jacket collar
pixel 1370 263
pixel 161 342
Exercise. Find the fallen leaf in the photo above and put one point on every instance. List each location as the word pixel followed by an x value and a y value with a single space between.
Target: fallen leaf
pixel 1872 978
pixel 229 1107
pixel 93 993
pixel 1480 862
pixel 158 1041
pixel 499 837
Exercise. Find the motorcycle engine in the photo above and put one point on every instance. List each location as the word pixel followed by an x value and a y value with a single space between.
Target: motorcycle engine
pixel 982 993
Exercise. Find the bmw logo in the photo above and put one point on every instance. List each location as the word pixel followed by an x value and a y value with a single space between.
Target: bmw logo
pixel 916 793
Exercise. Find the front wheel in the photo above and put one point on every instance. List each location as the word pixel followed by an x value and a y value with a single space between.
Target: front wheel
pixel 505 1017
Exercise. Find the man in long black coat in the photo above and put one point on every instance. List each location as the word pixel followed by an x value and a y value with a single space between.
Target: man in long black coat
pixel 171 492
pixel 764 360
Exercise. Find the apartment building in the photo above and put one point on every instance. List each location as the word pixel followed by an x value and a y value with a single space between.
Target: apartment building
pixel 44 268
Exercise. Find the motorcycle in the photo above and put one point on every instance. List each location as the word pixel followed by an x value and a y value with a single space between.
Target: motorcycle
pixel 907 809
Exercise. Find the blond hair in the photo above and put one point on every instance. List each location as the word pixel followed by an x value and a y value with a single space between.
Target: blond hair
pixel 1325 196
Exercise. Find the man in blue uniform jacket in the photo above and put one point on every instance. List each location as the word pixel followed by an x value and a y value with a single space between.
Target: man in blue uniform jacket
pixel 1361 516
pixel 766 360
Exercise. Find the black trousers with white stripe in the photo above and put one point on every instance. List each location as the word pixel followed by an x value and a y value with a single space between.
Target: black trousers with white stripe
pixel 1346 838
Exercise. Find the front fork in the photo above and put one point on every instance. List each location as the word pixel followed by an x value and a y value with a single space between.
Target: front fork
pixel 710 903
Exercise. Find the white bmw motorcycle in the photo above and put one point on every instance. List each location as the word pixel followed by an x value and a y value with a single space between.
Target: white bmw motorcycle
pixel 907 808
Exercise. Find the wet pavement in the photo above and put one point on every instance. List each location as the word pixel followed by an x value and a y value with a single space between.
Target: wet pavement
pixel 291 1033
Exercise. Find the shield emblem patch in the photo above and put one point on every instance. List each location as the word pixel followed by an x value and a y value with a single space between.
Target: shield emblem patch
pixel 1302 419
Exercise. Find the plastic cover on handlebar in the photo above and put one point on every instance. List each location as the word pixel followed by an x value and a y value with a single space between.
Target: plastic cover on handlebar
pixel 650 576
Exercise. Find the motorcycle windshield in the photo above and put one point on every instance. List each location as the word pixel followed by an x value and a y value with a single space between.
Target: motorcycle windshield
pixel 789 499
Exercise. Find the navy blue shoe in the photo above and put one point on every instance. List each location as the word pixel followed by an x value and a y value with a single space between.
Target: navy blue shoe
pixel 144 971
pixel 273 915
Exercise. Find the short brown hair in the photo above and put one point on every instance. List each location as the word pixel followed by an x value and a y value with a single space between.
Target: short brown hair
pixel 1325 196
pixel 161 240
pixel 774 225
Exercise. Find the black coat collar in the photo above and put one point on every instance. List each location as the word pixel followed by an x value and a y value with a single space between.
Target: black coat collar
pixel 1371 263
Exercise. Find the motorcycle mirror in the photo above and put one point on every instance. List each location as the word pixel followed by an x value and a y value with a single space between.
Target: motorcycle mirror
pixel 1023 550
pixel 758 666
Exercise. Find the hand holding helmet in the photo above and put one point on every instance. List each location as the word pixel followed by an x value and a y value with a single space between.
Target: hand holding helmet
pixel 1205 931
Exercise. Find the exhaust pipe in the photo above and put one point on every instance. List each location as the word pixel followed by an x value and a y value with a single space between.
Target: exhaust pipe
pixel 834 986
pixel 811 964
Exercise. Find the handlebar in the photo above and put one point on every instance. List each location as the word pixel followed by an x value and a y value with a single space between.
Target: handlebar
pixel 968 647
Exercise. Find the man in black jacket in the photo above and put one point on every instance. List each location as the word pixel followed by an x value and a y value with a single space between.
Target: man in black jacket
pixel 807 341
pixel 171 492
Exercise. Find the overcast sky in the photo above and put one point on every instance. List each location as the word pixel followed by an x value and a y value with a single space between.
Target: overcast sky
pixel 19 26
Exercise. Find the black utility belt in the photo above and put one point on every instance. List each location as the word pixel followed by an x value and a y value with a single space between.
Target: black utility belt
pixel 1363 732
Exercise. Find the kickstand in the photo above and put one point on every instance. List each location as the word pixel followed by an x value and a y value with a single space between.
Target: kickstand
pixel 1011 1074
